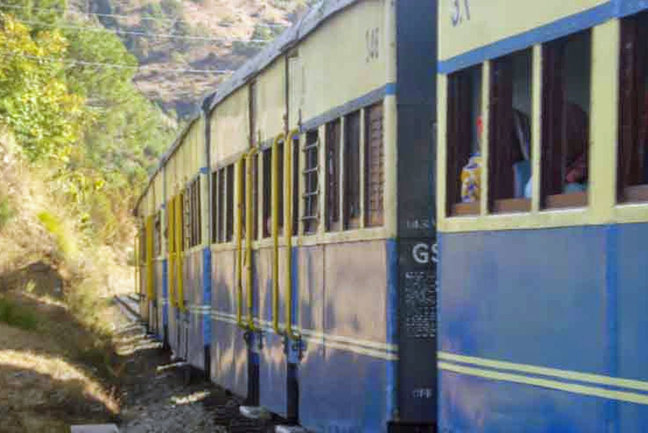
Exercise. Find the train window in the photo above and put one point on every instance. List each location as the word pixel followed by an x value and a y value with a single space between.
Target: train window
pixel 198 214
pixel 186 219
pixel 192 214
pixel 374 165
pixel 191 234
pixel 351 175
pixel 221 205
pixel 632 170
pixel 565 126
pixel 157 235
pixel 170 213
pixel 333 130
pixel 214 207
pixel 295 185
pixel 267 192
pixel 509 160
pixel 142 244
pixel 242 205
pixel 280 186
pixel 464 127
pixel 229 205
pixel 255 195
pixel 310 174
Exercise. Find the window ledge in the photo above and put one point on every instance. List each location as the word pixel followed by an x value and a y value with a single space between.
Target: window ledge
pixel 466 209
pixel 635 194
pixel 512 205
pixel 569 200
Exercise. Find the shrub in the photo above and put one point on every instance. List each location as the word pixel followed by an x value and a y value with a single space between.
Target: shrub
pixel 17 315
pixel 6 213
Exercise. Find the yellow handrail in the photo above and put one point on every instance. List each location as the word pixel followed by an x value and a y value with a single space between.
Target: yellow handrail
pixel 275 233
pixel 179 220
pixel 149 257
pixel 136 263
pixel 249 225
pixel 239 236
pixel 171 211
pixel 288 229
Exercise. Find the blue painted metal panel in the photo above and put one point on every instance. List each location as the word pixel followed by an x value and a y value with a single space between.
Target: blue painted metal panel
pixel 158 287
pixel 569 298
pixel 207 295
pixel 627 7
pixel 272 358
pixel 195 296
pixel 549 283
pixel 557 29
pixel 343 293
pixel 343 391
pixel 471 404
pixel 632 317
pixel 392 327
pixel 228 348
pixel 165 293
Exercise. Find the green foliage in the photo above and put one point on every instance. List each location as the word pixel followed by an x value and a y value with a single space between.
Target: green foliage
pixel 41 14
pixel 66 244
pixel 172 8
pixel 35 101
pixel 6 212
pixel 16 315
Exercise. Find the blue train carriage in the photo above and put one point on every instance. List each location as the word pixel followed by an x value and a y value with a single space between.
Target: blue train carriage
pixel 186 286
pixel 322 220
pixel 543 203
pixel 148 213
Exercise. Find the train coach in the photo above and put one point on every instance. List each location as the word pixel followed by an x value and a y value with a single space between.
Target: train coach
pixel 542 210
pixel 287 239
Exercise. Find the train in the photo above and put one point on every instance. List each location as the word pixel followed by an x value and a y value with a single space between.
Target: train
pixel 416 216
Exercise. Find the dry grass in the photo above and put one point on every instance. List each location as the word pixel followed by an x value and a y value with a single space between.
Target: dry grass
pixel 57 360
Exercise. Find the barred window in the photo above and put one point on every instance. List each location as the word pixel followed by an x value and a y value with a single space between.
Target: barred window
pixel 333 130
pixel 310 175
pixel 267 192
pixel 295 185
pixel 509 161
pixel 464 141
pixel 157 235
pixel 565 127
pixel 632 169
pixel 352 171
pixel 229 203
pixel 374 156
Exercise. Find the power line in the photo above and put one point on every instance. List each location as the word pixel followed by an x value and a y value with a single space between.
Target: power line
pixel 142 18
pixel 118 65
pixel 136 33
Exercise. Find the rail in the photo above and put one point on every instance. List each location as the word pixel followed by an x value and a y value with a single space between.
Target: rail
pixel 275 232
pixel 239 245
pixel 288 230
pixel 249 225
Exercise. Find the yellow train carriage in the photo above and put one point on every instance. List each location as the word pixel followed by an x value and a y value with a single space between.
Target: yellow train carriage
pixel 309 251
pixel 306 279
pixel 542 189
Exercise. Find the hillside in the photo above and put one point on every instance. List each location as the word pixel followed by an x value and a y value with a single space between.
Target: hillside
pixel 173 40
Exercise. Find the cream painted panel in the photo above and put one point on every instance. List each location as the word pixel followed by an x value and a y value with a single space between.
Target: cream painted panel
pixel 482 22
pixel 158 189
pixel 342 60
pixel 271 104
pixel 229 127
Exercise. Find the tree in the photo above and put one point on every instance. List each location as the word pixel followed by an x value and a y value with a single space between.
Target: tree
pixel 35 101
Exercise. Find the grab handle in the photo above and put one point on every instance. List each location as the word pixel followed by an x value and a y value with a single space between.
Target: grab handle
pixel 275 234
pixel 249 224
pixel 288 229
